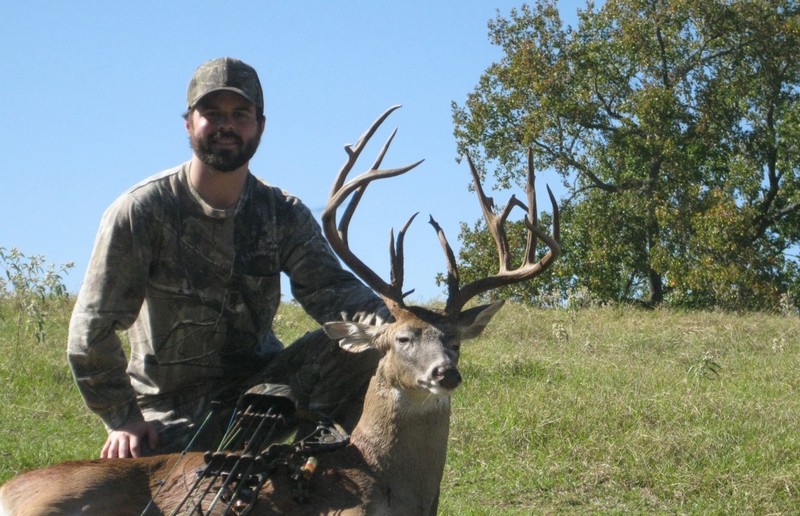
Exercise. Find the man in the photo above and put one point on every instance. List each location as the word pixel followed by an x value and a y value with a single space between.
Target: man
pixel 189 262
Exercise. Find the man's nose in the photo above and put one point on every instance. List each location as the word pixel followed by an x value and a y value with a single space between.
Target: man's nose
pixel 224 121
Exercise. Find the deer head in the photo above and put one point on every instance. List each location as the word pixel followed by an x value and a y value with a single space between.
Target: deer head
pixel 413 324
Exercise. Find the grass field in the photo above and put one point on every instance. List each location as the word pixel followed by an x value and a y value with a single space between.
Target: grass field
pixel 601 410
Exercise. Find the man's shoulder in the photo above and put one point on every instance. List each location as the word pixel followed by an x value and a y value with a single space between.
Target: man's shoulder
pixel 262 190
pixel 165 180
pixel 156 190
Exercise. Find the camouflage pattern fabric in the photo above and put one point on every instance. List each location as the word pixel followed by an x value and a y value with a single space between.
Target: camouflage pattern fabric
pixel 197 289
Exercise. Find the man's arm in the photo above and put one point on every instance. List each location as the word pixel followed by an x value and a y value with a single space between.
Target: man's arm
pixel 319 283
pixel 109 300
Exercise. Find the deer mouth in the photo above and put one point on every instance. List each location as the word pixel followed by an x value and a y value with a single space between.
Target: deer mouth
pixel 443 380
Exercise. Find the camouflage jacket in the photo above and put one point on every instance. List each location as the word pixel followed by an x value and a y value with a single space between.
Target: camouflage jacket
pixel 198 289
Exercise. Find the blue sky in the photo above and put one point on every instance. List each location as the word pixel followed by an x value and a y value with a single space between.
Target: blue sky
pixel 92 96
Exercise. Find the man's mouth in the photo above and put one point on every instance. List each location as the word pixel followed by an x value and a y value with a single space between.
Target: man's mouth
pixel 229 140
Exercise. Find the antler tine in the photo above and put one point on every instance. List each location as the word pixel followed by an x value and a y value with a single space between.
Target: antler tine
pixel 551 241
pixel 396 253
pixel 453 279
pixel 533 217
pixel 495 224
pixel 528 269
pixel 339 193
pixel 353 151
pixel 359 192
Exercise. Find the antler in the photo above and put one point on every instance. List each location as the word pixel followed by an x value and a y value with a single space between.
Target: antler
pixel 341 190
pixel 458 296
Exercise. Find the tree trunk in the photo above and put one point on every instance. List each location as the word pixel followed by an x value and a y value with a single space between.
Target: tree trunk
pixel 656 288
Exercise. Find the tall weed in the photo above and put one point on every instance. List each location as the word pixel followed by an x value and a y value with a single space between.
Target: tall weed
pixel 30 289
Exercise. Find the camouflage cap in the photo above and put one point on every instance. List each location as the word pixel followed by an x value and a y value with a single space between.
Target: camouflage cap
pixel 225 73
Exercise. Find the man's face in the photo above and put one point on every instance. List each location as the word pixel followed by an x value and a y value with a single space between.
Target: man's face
pixel 224 130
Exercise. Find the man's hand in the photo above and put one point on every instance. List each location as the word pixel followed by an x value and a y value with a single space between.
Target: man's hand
pixel 126 441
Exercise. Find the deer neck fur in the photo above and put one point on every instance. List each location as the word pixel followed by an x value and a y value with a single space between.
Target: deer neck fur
pixel 402 435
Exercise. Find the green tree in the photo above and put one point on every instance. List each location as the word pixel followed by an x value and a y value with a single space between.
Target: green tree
pixel 674 125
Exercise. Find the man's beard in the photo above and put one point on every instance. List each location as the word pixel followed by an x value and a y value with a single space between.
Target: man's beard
pixel 224 160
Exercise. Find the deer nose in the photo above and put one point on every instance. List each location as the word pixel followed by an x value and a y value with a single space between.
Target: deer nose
pixel 447 376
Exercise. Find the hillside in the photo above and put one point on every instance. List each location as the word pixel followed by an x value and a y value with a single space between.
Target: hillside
pixel 561 411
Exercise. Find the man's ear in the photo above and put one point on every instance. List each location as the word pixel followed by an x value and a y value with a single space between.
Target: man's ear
pixel 263 124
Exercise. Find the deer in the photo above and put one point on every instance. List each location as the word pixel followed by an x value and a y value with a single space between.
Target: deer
pixel 394 459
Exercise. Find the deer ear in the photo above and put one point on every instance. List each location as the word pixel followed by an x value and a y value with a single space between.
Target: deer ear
pixel 352 336
pixel 473 321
